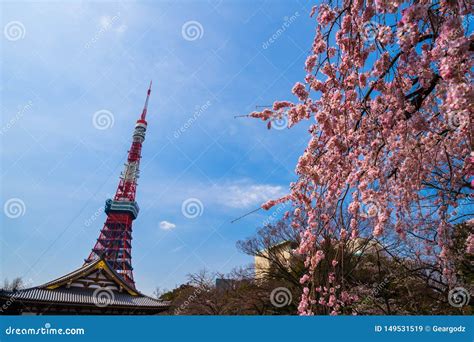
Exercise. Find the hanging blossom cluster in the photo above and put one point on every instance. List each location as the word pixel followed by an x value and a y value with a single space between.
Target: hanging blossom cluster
pixel 389 92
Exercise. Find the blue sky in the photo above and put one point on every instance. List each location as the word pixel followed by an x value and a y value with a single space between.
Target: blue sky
pixel 67 61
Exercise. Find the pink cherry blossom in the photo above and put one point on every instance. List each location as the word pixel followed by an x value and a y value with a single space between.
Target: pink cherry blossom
pixel 390 120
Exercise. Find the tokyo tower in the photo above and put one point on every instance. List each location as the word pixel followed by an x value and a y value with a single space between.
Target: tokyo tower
pixel 115 239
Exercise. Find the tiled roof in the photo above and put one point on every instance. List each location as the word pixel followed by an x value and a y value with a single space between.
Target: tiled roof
pixel 82 296
pixel 88 268
pixel 72 274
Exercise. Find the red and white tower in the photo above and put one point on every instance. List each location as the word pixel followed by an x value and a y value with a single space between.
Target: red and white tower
pixel 115 239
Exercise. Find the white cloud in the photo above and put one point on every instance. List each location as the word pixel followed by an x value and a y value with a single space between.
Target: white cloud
pixel 238 194
pixel 247 195
pixel 167 225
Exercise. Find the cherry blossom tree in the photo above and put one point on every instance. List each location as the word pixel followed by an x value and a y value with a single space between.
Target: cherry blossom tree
pixel 388 94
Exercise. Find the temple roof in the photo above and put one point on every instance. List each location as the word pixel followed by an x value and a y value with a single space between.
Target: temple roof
pixel 82 296
pixel 87 269
pixel 94 283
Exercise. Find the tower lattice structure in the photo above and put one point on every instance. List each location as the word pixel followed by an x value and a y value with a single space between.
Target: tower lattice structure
pixel 115 239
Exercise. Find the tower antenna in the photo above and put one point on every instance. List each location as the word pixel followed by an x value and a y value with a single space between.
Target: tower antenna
pixel 145 108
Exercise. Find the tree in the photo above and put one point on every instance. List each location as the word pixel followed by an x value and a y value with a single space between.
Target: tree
pixel 15 285
pixel 388 90
pixel 265 245
pixel 385 275
pixel 237 294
